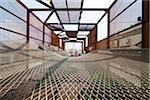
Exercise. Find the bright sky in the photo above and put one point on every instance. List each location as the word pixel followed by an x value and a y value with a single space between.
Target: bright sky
pixel 73 45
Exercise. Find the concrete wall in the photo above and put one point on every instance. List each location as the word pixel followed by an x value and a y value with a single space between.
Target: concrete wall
pixel 130 38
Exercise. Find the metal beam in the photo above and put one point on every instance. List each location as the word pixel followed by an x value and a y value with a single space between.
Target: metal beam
pixel 22 4
pixel 69 9
pixel 99 20
pixel 40 1
pixel 112 4
pixel 48 17
pixel 12 14
pixel 123 11
pixel 57 15
pixel 40 9
pixel 74 41
pixel 12 31
pixel 74 23
pixel 83 9
pixel 102 16
pixel 43 34
pixel 57 29
pixel 125 29
pixel 145 24
pixel 108 30
pixel 27 27
pixel 71 30
pixel 84 44
pixel 80 15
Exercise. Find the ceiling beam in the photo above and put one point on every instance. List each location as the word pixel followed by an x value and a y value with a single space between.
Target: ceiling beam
pixel 48 17
pixel 70 30
pixel 80 14
pixel 58 29
pixel 83 9
pixel 40 9
pixel 112 4
pixel 73 23
pixel 45 4
pixel 57 15
pixel 123 10
pixel 69 9
pixel 74 41
pixel 100 19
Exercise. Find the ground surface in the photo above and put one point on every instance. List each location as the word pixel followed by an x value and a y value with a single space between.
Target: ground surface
pixel 92 76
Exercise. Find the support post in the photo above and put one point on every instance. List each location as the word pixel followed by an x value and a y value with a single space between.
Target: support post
pixel 145 23
pixel 27 27
pixel 108 29
pixel 43 34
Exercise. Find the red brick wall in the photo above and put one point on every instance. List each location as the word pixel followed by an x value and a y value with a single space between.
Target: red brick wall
pixel 102 44
pixel 55 40
pixel 92 39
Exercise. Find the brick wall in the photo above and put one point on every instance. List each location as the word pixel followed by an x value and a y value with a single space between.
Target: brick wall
pixel 55 40
pixel 92 39
pixel 102 44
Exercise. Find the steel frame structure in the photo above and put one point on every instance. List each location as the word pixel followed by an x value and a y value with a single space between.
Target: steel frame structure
pixel 81 9
pixel 53 9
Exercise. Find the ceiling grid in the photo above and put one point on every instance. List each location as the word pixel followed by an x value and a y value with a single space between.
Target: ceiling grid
pixel 69 16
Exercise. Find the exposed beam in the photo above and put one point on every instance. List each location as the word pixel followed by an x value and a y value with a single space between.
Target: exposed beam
pixel 22 4
pixel 108 29
pixel 123 11
pixel 57 29
pixel 84 44
pixel 80 14
pixel 82 35
pixel 12 31
pixel 35 16
pixel 83 9
pixel 80 38
pixel 100 19
pixel 48 17
pixel 36 39
pixel 27 27
pixel 57 15
pixel 40 1
pixel 112 4
pixel 70 30
pixel 73 23
pixel 12 14
pixel 60 33
pixel 43 34
pixel 82 47
pixel 126 29
pixel 69 9
pixel 74 41
pixel 40 9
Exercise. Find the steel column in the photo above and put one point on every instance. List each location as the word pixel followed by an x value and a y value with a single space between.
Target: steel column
pixel 27 27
